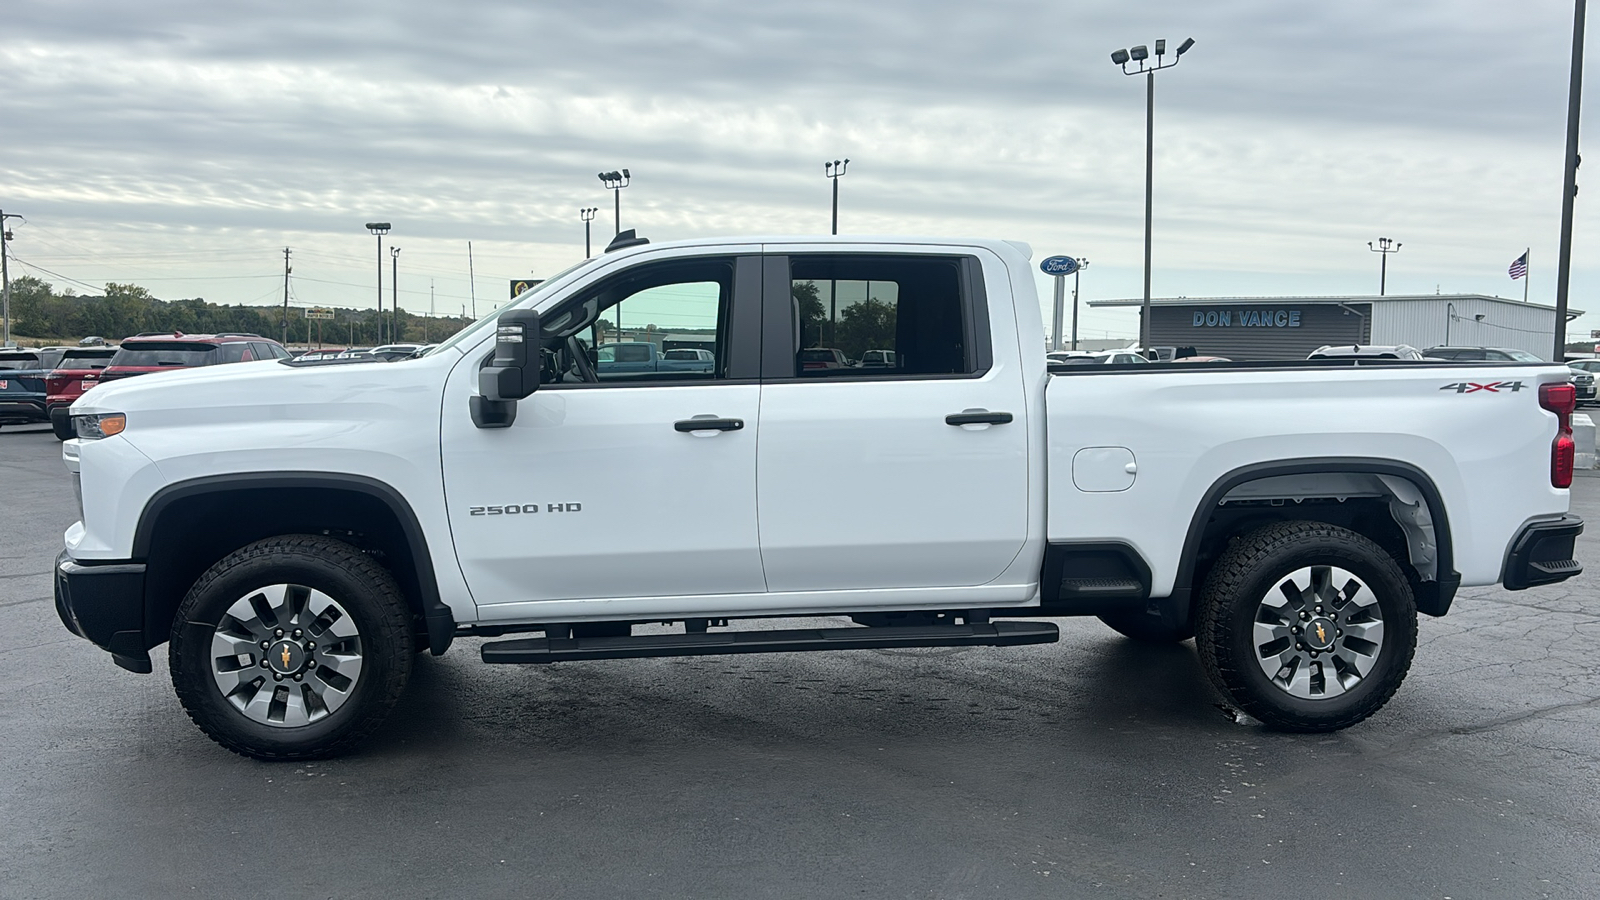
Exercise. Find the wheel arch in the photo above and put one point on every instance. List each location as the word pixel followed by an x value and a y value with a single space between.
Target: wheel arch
pixel 189 525
pixel 1433 596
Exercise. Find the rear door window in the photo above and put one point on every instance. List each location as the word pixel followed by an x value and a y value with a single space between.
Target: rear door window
pixel 910 315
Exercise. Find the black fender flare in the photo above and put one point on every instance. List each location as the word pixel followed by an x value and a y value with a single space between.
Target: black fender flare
pixel 438 618
pixel 1433 597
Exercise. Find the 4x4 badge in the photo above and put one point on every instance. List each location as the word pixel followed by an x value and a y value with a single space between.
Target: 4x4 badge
pixel 1493 387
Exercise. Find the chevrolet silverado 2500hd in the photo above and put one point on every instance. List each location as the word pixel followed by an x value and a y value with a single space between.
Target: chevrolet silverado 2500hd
pixel 298 530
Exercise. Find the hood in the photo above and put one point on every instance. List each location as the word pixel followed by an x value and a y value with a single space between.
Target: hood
pixel 251 391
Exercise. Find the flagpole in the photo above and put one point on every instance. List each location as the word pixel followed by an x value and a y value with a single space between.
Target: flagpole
pixel 1527 259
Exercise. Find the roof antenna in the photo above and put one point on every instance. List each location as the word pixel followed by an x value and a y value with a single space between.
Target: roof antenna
pixel 626 239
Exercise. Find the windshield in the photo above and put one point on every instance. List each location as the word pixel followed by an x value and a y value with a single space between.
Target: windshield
pixel 173 354
pixel 1522 356
pixel 475 331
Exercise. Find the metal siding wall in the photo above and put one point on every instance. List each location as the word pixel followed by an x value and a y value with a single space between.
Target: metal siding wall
pixel 1320 324
pixel 1421 323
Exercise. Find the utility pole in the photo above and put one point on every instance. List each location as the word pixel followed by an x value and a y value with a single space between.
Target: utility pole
pixel 429 320
pixel 286 271
pixel 472 283
pixel 1569 187
pixel 394 294
pixel 5 276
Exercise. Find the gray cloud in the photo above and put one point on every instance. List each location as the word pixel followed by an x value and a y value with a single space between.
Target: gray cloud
pixel 1293 133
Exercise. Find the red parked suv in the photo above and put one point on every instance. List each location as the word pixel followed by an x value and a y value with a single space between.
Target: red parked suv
pixel 77 371
pixel 145 353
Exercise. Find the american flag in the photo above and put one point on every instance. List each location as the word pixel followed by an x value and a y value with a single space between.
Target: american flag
pixel 1519 269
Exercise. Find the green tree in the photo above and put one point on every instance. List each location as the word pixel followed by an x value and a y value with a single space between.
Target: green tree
pixel 813 315
pixel 868 325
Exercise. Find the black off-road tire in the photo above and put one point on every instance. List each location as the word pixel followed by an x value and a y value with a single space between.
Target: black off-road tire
pixel 1256 564
pixel 365 589
pixel 1149 629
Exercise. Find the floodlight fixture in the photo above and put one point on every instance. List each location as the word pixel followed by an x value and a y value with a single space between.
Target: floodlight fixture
pixel 1139 52
pixel 1184 47
pixel 1119 57
pixel 1161 47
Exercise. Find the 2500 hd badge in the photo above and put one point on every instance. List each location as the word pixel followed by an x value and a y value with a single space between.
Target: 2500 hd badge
pixel 515 509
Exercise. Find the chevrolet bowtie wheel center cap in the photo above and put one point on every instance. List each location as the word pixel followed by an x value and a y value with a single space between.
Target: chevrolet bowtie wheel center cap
pixel 286 657
pixel 1319 633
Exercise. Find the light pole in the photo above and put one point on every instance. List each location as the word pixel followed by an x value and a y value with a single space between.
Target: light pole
pixel 380 229
pixel 1569 186
pixel 834 170
pixel 1386 247
pixel 615 182
pixel 394 293
pixel 1082 264
pixel 587 214
pixel 1140 54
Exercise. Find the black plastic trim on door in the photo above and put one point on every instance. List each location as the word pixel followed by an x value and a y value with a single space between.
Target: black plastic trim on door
pixel 743 334
pixel 778 345
pixel 980 348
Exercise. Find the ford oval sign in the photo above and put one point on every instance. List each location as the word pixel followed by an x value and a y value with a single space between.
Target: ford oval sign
pixel 1059 265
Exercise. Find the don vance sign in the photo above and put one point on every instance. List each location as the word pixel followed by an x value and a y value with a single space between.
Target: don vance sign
pixel 1247 318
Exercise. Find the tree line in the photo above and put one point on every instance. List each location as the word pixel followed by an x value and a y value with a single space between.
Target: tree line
pixel 126 309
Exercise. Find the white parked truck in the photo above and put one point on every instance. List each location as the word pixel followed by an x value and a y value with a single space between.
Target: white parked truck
pixel 298 530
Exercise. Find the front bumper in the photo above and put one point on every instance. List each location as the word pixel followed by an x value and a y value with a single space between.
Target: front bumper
pixel 1543 554
pixel 104 603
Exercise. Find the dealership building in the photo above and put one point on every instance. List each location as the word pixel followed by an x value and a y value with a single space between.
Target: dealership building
pixel 1251 328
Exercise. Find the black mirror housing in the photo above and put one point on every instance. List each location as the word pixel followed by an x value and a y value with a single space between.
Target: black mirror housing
pixel 512 374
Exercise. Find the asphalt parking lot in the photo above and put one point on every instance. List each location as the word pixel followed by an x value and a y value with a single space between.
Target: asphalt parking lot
pixel 1090 768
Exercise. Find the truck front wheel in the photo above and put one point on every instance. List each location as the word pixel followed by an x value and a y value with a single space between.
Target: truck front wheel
pixel 1307 626
pixel 294 647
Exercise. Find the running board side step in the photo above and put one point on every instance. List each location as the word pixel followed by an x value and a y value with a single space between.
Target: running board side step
pixel 546 650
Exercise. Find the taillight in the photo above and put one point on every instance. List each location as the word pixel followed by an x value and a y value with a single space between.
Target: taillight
pixel 1561 399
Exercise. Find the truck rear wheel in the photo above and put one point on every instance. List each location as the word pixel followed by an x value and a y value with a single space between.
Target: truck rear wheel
pixel 294 647
pixel 1307 626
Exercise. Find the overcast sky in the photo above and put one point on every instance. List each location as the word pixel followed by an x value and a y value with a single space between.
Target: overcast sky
pixel 183 145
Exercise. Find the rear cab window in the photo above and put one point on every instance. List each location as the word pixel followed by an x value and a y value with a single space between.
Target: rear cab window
pixel 889 315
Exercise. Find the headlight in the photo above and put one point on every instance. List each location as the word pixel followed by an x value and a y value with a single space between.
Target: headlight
pixel 94 426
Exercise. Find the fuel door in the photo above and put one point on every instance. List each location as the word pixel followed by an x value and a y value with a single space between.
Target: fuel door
pixel 1104 469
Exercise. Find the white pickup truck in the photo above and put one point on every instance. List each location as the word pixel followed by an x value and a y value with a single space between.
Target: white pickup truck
pixel 298 530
